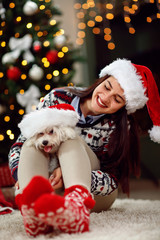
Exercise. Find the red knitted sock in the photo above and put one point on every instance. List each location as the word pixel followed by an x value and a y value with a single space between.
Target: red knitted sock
pixel 69 213
pixel 25 201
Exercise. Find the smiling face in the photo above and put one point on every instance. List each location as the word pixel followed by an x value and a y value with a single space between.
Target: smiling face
pixel 107 98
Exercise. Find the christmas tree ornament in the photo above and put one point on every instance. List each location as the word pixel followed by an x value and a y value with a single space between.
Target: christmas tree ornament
pixel 36 73
pixel 17 46
pixel 9 58
pixel 29 99
pixel 2 11
pixel 30 8
pixel 13 73
pixel 37 46
pixel 28 56
pixel 52 56
pixel 59 41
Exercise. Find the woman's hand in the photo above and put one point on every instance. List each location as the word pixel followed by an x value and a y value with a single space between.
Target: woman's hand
pixel 56 179
pixel 17 185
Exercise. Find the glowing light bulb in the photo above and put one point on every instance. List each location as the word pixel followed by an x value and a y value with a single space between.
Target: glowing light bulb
pixel 91 23
pixel 98 19
pixel 6 118
pixel 55 73
pixel 21 111
pixel 52 22
pixel 11 136
pixel 46 43
pixel 109 16
pixel 11 107
pixel 47 87
pixel 21 91
pixel 109 6
pixel 131 30
pixel 96 30
pixel 18 19
pixel 12 5
pixel 42 7
pixel 29 25
pixel 1 74
pixel 111 46
pixel 65 70
pixel 23 76
pixel 49 76
pixel 24 63
pixel 65 49
pixel 60 54
pixel 107 37
pixel 77 5
pixel 79 41
pixel 9 132
pixel 1 137
pixel 3 44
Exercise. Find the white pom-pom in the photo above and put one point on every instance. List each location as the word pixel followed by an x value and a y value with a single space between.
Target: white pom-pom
pixel 30 8
pixel 154 134
pixel 60 41
pixel 36 73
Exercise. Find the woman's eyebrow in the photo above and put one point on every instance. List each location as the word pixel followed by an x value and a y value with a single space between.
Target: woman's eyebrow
pixel 117 94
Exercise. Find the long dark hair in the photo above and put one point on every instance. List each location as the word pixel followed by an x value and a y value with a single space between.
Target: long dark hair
pixel 123 152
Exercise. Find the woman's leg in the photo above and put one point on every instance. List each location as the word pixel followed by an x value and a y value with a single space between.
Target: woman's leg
pixel 32 163
pixel 77 160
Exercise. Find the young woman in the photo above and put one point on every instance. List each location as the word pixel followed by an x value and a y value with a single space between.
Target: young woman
pixel 90 166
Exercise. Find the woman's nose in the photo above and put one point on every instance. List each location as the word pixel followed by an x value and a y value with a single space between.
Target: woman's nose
pixel 107 99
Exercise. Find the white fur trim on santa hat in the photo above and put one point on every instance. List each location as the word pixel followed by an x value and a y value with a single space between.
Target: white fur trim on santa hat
pixel 39 120
pixel 154 134
pixel 131 82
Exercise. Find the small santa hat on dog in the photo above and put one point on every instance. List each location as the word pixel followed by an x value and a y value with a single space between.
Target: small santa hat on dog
pixel 39 120
pixel 139 88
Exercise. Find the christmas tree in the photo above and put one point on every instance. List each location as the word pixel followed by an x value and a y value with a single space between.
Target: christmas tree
pixel 36 56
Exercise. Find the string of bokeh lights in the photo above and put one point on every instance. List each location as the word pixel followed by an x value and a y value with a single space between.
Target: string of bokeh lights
pixel 92 13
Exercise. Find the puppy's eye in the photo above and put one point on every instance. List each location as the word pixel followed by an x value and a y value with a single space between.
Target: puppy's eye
pixel 41 134
pixel 51 132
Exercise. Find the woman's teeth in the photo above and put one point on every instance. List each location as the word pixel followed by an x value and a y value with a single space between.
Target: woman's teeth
pixel 99 100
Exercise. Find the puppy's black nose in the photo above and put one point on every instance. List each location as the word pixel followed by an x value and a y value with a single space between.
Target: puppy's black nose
pixel 45 142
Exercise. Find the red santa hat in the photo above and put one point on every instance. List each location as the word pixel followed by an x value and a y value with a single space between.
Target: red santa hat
pixel 39 120
pixel 139 89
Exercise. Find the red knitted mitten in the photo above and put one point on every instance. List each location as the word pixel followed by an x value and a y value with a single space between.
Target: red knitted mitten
pixel 25 201
pixel 70 213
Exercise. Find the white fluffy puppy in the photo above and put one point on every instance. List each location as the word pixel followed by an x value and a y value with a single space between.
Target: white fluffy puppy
pixel 47 128
pixel 50 139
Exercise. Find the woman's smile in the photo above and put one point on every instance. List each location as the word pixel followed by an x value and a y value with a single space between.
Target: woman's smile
pixel 100 102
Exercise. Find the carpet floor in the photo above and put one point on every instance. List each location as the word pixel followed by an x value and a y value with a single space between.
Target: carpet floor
pixel 128 219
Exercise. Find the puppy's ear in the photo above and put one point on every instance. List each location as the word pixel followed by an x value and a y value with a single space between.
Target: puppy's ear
pixel 31 141
pixel 66 133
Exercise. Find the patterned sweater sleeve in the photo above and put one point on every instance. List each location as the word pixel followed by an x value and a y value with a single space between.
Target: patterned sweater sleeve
pixel 103 183
pixel 14 153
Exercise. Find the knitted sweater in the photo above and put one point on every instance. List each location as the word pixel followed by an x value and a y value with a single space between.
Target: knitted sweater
pixel 96 136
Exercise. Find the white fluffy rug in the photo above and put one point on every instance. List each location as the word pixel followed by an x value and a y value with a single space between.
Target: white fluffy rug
pixel 128 219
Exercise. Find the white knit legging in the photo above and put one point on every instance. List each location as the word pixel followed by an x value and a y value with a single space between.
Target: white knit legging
pixel 76 160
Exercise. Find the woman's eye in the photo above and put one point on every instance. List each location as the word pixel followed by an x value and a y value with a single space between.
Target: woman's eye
pixel 107 88
pixel 117 100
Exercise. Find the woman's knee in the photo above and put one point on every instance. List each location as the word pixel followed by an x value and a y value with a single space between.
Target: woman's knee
pixel 103 203
pixel 70 144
